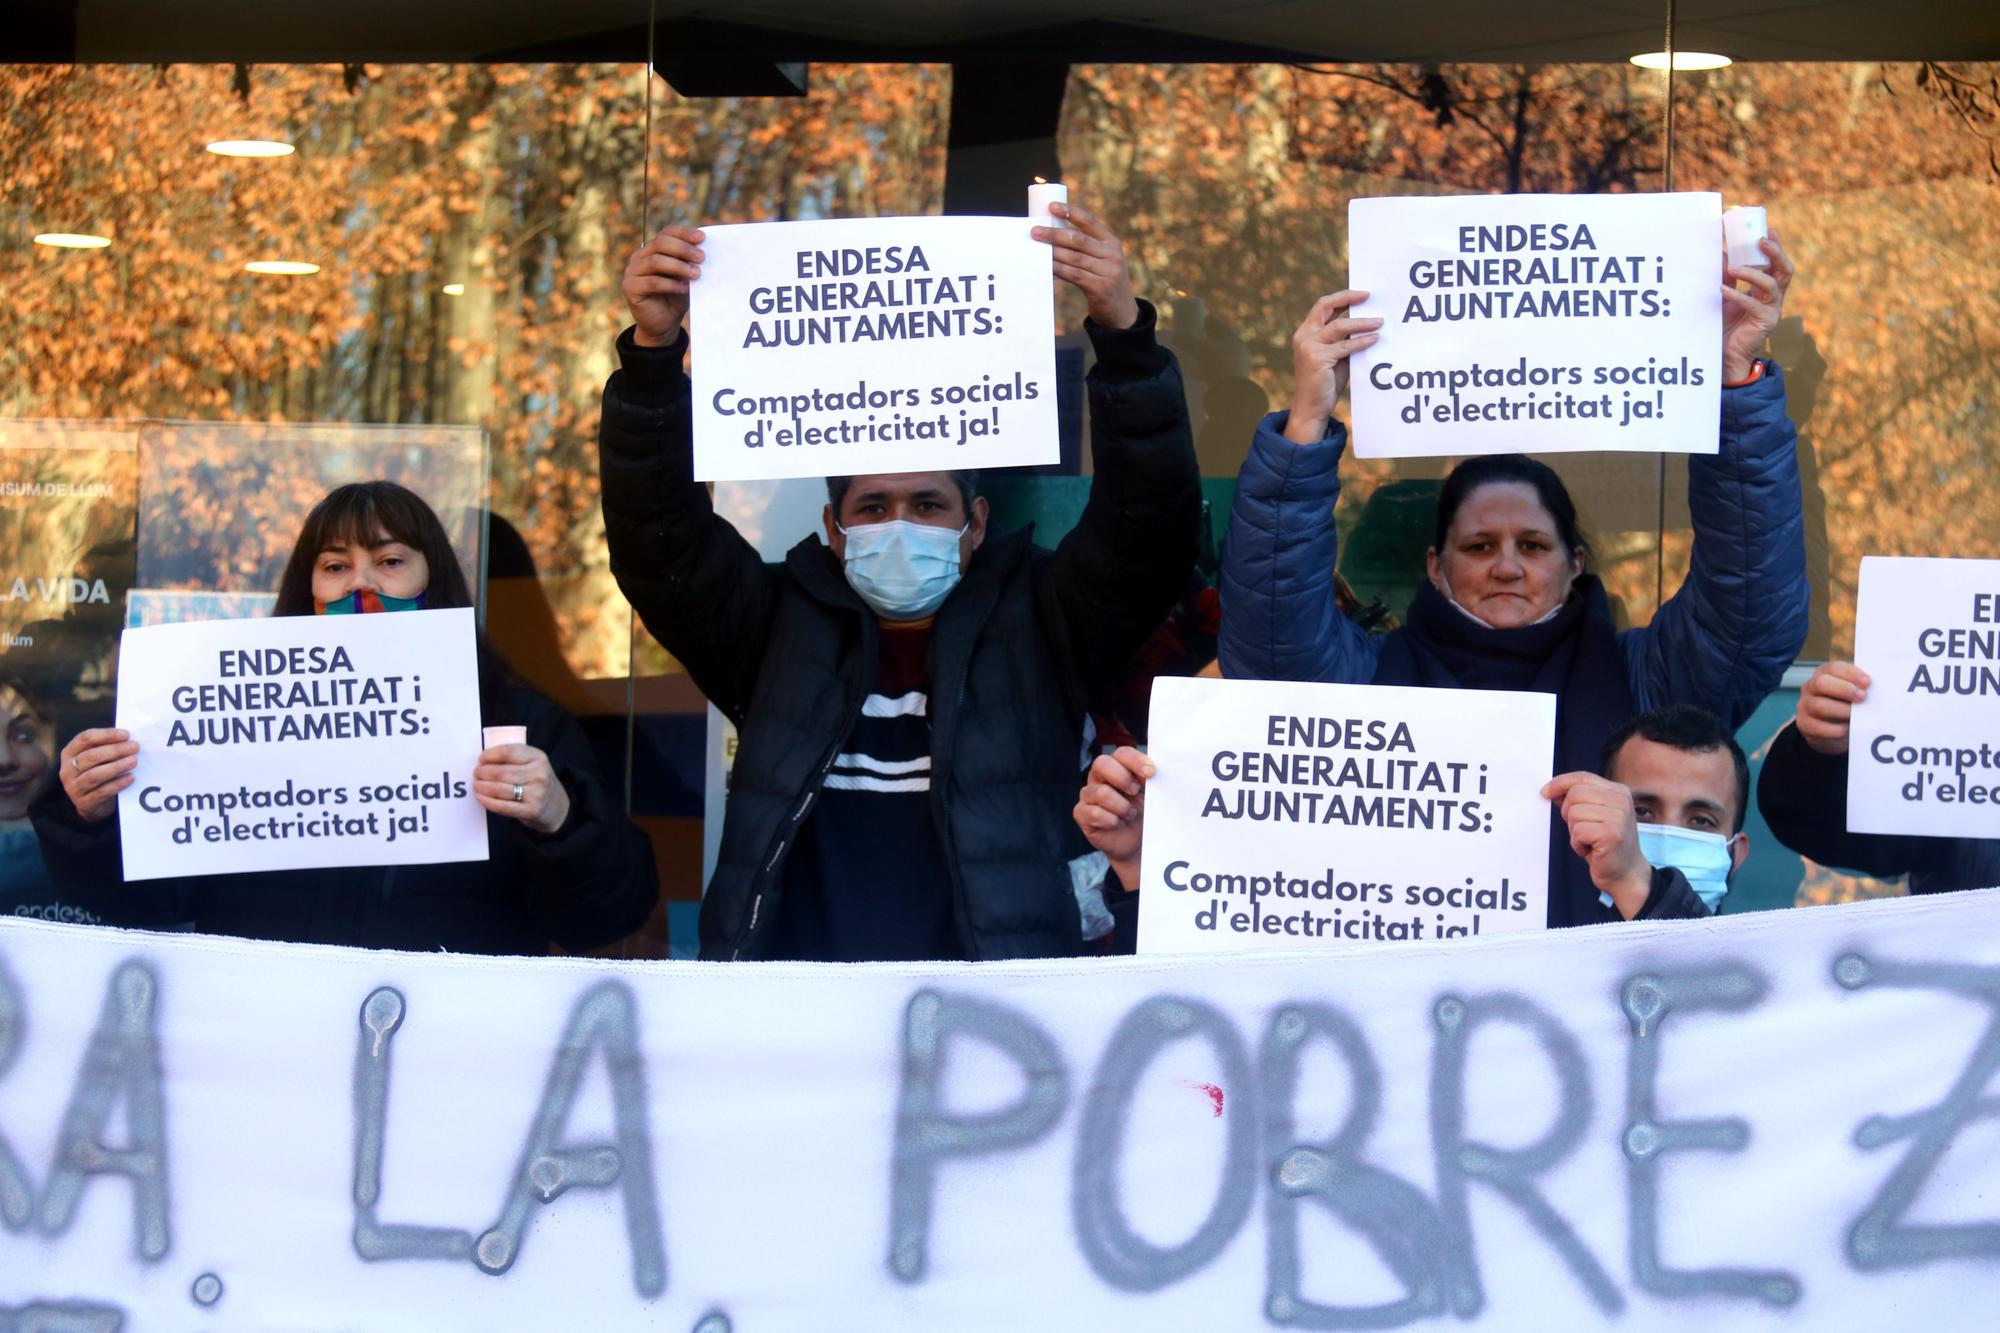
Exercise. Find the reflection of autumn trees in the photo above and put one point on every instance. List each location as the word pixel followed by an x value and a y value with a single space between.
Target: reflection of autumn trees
pixel 1232 182
pixel 523 183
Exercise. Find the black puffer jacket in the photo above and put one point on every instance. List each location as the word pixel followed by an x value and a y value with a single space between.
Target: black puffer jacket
pixel 1803 795
pixel 788 651
pixel 590 883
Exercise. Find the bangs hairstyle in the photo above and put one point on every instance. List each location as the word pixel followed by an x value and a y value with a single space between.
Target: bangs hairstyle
pixel 364 513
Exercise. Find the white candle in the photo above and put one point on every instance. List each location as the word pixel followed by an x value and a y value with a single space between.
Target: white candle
pixel 1040 195
pixel 1742 228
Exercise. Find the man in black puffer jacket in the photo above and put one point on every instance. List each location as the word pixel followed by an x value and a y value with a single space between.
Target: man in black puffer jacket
pixel 909 736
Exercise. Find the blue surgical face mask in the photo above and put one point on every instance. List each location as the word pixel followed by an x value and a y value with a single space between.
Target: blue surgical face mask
pixel 1703 857
pixel 903 570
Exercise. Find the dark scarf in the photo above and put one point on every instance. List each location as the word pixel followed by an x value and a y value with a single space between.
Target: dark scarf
pixel 1574 656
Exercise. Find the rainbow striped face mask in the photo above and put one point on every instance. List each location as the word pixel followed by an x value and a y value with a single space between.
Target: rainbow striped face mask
pixel 363 601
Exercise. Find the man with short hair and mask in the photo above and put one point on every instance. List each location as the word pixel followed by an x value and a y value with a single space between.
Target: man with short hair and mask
pixel 1661 823
pixel 910 693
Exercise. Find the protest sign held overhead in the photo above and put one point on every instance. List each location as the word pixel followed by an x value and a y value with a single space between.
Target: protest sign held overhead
pixel 833 348
pixel 1538 324
pixel 302 741
pixel 1288 815
pixel 1925 751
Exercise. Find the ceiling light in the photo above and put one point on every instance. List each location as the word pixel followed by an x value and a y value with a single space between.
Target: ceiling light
pixel 286 267
pixel 1682 60
pixel 453 289
pixel 250 148
pixel 72 240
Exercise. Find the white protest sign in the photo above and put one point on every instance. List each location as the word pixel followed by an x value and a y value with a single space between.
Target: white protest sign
pixel 872 345
pixel 1538 323
pixel 1924 752
pixel 301 741
pixel 1285 815
pixel 1644 1126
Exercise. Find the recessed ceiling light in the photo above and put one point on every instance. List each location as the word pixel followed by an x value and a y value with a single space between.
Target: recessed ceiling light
pixel 250 148
pixel 287 267
pixel 1682 60
pixel 72 240
pixel 453 289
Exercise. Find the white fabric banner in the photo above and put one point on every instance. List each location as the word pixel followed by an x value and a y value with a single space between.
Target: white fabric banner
pixel 1284 813
pixel 1773 1121
pixel 1538 323
pixel 872 345
pixel 301 741
pixel 1924 752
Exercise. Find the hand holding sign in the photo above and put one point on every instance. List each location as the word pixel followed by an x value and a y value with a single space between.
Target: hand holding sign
pixel 1826 706
pixel 1320 348
pixel 656 284
pixel 1604 831
pixel 1090 257
pixel 1111 810
pixel 1748 317
pixel 96 766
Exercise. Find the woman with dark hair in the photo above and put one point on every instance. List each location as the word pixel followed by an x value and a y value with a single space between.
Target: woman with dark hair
pixel 565 864
pixel 1508 602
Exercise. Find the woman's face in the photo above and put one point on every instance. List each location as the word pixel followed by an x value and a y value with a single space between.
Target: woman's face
pixel 27 753
pixel 385 566
pixel 1503 559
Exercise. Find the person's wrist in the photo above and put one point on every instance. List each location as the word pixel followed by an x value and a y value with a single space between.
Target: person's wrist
pixel 555 814
pixel 1307 423
pixel 646 339
pixel 1118 315
pixel 1830 746
pixel 1738 371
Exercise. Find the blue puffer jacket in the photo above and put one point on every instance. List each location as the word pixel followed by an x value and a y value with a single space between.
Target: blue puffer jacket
pixel 1723 641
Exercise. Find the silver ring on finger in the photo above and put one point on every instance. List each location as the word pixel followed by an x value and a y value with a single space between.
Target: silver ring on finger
pixel 76 762
pixel 517 793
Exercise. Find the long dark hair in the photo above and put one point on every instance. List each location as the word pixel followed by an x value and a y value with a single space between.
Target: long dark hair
pixel 361 513
pixel 1488 469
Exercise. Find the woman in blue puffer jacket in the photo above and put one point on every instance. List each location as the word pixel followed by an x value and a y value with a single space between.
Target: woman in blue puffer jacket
pixel 1509 603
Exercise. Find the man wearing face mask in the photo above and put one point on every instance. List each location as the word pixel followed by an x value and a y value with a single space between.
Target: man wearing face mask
pixel 909 693
pixel 1662 828
pixel 1649 825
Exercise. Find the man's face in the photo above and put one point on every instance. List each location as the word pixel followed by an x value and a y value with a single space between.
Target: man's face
pixel 931 498
pixel 1686 789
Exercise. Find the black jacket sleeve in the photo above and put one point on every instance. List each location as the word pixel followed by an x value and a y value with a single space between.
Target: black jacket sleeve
pixel 1120 570
pixel 86 866
pixel 1672 898
pixel 701 588
pixel 594 879
pixel 1803 795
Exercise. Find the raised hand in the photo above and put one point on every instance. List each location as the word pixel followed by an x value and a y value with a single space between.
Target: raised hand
pixel 1748 317
pixel 1320 349
pixel 1088 256
pixel 656 284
